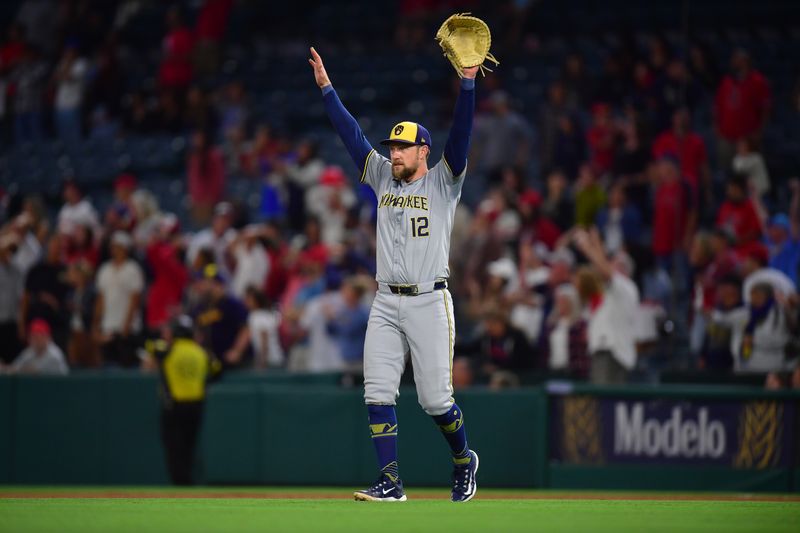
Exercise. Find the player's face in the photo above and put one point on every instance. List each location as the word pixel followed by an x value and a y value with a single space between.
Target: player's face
pixel 405 160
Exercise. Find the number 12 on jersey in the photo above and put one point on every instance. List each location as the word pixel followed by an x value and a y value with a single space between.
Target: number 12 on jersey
pixel 419 227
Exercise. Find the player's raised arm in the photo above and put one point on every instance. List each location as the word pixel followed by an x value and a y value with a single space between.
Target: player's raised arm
pixel 343 122
pixel 457 146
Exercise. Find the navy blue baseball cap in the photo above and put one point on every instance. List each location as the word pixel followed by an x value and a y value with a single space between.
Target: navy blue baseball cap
pixel 408 133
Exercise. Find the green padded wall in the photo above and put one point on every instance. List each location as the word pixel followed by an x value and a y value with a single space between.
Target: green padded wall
pixel 6 425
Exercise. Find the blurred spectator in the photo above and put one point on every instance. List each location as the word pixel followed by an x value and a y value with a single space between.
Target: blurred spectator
pixel 330 201
pixel 534 226
pixel 107 82
pixel 500 138
pixel 306 281
pixel 738 213
pixel 674 216
pixel 262 325
pixel 234 149
pixel 176 67
pixel 170 275
pixel 550 116
pixel 760 332
pixel 524 296
pixel 121 215
pixel 167 116
pixel 205 169
pixel 30 79
pixel 221 318
pixel 198 113
pixel 12 50
pixel 754 267
pixel 741 107
pixel 212 21
pixel 234 112
pixel 619 224
pixel 77 210
pixel 632 155
pixel 613 301
pixel 502 217
pixel 570 146
pixel 70 79
pixel 703 67
pixel 45 295
pixel 688 148
pixel 463 376
pixel 11 285
pixel 712 260
pixel 557 204
pixel 217 238
pixel 783 239
pixel 41 356
pixel 565 346
pixel 117 321
pixel 601 137
pixel 673 89
pixel 137 117
pixel 80 245
pixel 749 163
pixel 322 353
pixel 717 355
pixel 40 23
pixel 147 217
pixel 81 348
pixel 264 150
pixel 302 175
pixel 498 346
pixel 24 240
pixel 347 324
pixel 775 381
pixel 590 197
pixel 251 262
pixel 576 80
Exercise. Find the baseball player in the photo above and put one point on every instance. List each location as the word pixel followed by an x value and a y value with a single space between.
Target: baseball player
pixel 413 310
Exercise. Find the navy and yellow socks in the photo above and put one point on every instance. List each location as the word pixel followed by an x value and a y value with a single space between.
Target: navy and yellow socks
pixel 383 428
pixel 451 425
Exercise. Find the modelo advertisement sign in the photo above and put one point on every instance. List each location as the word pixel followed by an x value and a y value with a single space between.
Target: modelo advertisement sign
pixel 607 430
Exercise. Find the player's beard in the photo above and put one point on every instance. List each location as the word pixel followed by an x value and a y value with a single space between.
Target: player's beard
pixel 403 172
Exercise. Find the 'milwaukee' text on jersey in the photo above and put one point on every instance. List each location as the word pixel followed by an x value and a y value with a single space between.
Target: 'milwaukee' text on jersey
pixel 409 201
pixel 415 221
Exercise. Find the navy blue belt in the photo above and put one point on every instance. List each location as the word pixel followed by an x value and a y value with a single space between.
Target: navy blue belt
pixel 413 290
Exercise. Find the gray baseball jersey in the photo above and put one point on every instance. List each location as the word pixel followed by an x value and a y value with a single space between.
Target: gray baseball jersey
pixel 414 221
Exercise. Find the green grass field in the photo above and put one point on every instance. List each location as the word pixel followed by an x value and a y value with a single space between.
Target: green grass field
pixel 118 510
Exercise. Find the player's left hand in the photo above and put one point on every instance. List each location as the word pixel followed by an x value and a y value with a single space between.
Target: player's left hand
pixel 320 74
pixel 470 72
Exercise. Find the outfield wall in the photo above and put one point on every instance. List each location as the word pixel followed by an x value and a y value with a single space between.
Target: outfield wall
pixel 304 430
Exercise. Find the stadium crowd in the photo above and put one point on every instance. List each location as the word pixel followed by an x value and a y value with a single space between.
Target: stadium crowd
pixel 611 241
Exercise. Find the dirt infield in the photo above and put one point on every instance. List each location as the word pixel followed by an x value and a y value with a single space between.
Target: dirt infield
pixel 345 494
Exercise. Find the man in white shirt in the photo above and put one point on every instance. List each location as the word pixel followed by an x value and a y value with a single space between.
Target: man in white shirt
pixel 70 79
pixel 76 211
pixel 251 262
pixel 217 238
pixel 613 302
pixel 324 354
pixel 42 356
pixel 117 319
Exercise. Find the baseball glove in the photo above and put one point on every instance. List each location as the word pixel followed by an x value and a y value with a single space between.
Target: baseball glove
pixel 466 41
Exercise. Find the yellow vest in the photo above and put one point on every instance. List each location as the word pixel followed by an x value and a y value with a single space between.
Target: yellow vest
pixel 186 368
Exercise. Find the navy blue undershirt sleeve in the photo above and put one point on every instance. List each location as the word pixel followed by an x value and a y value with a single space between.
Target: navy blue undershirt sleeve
pixel 457 146
pixel 348 129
